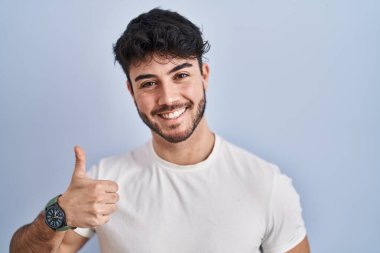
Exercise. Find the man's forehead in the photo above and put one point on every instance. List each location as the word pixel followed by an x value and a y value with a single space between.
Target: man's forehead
pixel 158 63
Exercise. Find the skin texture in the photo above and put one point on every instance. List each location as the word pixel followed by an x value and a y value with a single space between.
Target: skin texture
pixel 158 86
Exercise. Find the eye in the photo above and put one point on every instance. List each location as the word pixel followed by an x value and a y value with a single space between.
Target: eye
pixel 181 76
pixel 147 84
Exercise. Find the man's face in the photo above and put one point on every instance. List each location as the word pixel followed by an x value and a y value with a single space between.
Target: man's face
pixel 169 95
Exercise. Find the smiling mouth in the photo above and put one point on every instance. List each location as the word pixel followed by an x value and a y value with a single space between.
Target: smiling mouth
pixel 173 115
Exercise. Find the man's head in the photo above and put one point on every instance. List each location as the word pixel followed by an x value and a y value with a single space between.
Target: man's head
pixel 161 54
pixel 160 32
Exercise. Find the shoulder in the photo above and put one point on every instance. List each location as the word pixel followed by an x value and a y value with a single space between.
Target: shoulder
pixel 263 176
pixel 260 177
pixel 283 213
pixel 251 163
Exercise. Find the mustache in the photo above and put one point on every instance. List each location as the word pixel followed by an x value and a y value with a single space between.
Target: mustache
pixel 164 108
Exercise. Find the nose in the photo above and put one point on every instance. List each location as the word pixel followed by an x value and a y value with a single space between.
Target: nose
pixel 169 93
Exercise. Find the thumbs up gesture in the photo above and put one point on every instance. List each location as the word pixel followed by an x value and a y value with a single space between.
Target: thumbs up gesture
pixel 88 203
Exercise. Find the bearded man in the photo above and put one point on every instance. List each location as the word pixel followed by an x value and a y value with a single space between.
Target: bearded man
pixel 187 190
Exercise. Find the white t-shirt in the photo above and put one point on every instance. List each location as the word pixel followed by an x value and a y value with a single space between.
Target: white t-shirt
pixel 231 202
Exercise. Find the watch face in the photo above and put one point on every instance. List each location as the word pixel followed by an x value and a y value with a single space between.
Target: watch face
pixel 54 217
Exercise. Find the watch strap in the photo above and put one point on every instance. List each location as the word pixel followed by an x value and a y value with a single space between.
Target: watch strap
pixel 53 201
pixel 66 227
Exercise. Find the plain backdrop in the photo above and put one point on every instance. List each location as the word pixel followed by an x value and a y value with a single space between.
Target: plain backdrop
pixel 295 82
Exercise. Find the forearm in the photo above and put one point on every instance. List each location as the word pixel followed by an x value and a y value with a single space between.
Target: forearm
pixel 36 237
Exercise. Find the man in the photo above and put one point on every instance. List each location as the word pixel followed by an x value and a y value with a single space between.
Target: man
pixel 187 190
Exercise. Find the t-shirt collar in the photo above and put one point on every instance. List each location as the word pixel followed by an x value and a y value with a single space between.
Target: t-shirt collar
pixel 187 168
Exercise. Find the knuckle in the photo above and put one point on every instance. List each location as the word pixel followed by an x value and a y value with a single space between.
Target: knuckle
pixel 112 184
pixel 92 187
pixel 107 219
pixel 93 207
pixel 99 198
pixel 99 219
pixel 97 187
pixel 92 200
pixel 93 221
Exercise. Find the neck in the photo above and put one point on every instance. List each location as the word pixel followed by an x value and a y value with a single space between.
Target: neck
pixel 191 151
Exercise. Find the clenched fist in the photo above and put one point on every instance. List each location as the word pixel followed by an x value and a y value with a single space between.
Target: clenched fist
pixel 88 203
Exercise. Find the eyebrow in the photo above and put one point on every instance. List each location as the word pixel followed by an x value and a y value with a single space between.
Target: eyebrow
pixel 144 76
pixel 183 65
pixel 176 68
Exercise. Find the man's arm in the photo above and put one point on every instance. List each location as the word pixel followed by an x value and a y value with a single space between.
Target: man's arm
pixel 302 247
pixel 87 203
pixel 72 242
pixel 38 237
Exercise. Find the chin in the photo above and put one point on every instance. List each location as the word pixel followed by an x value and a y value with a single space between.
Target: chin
pixel 176 137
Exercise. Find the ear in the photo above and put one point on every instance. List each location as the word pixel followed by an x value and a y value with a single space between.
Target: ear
pixel 130 89
pixel 205 74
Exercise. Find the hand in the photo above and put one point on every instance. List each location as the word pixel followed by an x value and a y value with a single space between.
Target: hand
pixel 88 203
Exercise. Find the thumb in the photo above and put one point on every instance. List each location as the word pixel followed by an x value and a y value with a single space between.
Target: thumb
pixel 80 163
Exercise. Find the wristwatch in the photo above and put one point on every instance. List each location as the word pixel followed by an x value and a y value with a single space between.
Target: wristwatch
pixel 55 217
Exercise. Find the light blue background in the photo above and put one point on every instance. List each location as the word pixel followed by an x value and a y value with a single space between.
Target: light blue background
pixel 296 82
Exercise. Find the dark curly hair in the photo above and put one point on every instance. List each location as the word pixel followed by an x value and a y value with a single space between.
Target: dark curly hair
pixel 161 32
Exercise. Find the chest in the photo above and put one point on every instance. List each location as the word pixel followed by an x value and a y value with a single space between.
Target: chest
pixel 186 214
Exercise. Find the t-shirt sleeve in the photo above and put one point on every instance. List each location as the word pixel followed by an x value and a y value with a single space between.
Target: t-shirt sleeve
pixel 286 227
pixel 88 232
pixel 85 232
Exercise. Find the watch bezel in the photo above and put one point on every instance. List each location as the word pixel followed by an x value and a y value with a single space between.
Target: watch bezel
pixel 53 203
pixel 61 217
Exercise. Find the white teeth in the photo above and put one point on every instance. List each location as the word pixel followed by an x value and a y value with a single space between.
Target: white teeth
pixel 173 115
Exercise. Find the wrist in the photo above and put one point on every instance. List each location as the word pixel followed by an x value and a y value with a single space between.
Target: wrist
pixel 55 216
pixel 40 227
pixel 63 203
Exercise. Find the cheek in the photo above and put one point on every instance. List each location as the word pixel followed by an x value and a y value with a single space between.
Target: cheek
pixel 193 93
pixel 142 103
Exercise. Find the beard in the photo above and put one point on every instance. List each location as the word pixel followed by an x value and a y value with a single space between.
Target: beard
pixel 176 137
